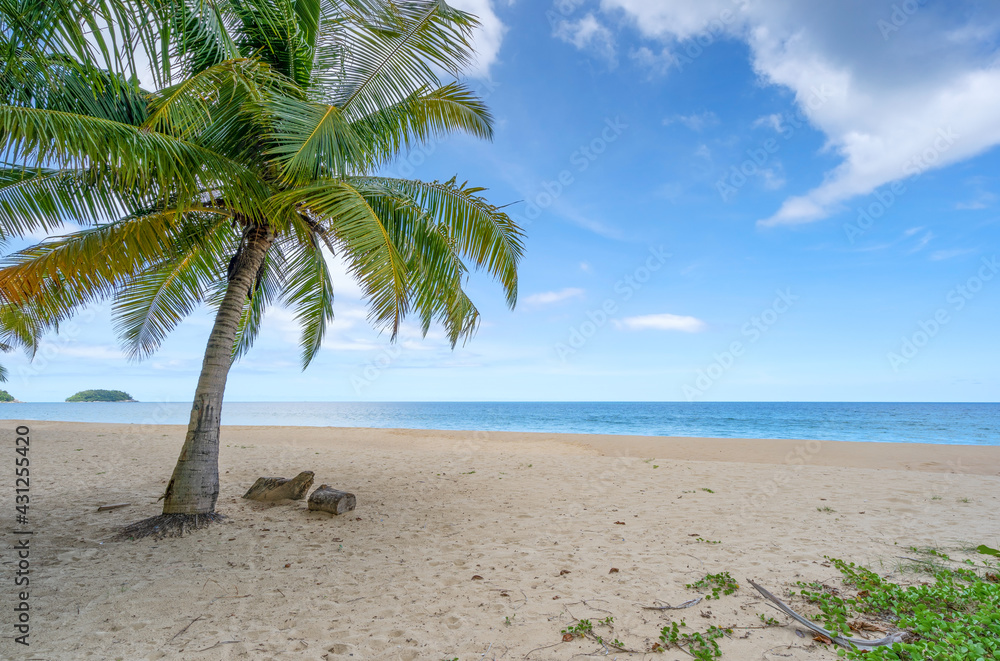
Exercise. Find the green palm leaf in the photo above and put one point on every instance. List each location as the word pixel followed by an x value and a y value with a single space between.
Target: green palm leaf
pixel 480 231
pixel 309 289
pixel 424 116
pixel 141 160
pixel 313 141
pixel 397 49
pixel 42 200
pixel 364 242
pixel 152 303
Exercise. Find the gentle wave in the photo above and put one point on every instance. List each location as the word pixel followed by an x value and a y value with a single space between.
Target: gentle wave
pixel 946 423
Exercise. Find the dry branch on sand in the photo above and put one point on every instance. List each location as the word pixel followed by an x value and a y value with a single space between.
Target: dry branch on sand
pixel 849 643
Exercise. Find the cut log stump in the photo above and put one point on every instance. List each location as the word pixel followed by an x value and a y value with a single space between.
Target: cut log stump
pixel 328 499
pixel 271 489
pixel 114 506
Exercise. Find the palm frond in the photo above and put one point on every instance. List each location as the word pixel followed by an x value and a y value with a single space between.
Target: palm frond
pixel 101 31
pixel 42 200
pixel 398 49
pixel 363 241
pixel 309 289
pixel 59 275
pixel 190 107
pixel 20 328
pixel 59 83
pixel 480 231
pixel 422 117
pixel 313 141
pixel 197 34
pixel 151 303
pixel 282 32
pixel 143 161
pixel 437 272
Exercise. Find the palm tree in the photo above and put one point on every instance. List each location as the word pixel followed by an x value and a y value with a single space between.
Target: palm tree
pixel 259 149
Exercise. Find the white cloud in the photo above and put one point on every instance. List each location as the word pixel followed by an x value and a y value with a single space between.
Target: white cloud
pixel 658 64
pixel 86 351
pixel 939 255
pixel 892 103
pixel 922 243
pixel 703 152
pixel 694 121
pixel 667 322
pixel 773 121
pixel 590 34
pixel 983 200
pixel 773 179
pixel 550 297
pixel 488 37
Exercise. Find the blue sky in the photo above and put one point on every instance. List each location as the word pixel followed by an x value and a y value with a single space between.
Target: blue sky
pixel 724 200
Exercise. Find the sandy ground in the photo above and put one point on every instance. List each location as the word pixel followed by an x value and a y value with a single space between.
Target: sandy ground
pixel 543 519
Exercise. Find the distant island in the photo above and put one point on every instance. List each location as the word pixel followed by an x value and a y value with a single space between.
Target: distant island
pixel 7 398
pixel 100 396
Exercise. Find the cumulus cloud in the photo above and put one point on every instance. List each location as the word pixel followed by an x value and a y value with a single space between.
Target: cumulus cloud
pixel 550 297
pixel 666 322
pixel 588 33
pixel 898 88
pixel 488 37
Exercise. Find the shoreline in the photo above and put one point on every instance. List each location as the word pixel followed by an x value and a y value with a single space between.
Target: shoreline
pixel 921 457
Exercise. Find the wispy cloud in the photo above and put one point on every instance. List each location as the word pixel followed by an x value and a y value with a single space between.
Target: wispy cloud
pixel 658 64
pixel 941 255
pixel 86 351
pixel 666 322
pixel 694 121
pixel 982 201
pixel 922 243
pixel 550 297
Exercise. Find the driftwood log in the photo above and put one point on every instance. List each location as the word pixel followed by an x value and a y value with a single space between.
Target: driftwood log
pixel 114 506
pixel 328 499
pixel 271 489
pixel 849 643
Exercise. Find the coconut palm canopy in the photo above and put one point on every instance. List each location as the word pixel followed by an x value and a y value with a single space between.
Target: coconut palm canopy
pixel 256 158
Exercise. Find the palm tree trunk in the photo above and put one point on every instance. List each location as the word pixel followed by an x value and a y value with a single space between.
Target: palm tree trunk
pixel 194 486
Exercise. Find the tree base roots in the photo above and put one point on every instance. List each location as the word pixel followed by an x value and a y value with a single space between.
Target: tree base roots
pixel 167 525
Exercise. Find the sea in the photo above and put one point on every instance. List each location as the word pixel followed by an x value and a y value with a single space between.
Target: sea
pixel 942 423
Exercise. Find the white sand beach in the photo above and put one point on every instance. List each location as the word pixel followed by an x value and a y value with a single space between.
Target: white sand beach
pixel 470 545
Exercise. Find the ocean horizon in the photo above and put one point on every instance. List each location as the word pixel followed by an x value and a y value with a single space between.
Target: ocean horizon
pixel 948 423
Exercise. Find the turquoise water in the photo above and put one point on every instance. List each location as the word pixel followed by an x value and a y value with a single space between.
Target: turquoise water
pixel 969 424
